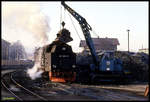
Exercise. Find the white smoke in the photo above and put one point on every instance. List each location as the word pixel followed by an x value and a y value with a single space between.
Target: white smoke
pixel 24 21
pixel 36 72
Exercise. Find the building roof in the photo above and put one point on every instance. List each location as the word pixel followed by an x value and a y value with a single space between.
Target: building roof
pixel 5 42
pixel 101 42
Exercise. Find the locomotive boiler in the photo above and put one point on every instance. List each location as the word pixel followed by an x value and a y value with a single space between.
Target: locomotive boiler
pixel 57 59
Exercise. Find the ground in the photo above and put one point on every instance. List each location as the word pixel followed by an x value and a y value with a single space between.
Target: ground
pixel 76 91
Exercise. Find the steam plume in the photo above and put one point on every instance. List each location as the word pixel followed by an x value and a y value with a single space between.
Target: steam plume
pixel 25 22
pixel 35 72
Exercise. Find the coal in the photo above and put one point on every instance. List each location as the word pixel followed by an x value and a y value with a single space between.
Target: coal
pixel 64 36
pixel 136 63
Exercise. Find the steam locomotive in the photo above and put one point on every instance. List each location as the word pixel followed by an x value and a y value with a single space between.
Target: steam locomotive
pixel 57 59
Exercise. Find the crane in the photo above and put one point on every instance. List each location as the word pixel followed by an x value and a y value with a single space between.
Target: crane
pixel 105 65
pixel 86 28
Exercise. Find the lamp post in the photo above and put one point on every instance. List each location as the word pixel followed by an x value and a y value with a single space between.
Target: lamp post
pixel 128 39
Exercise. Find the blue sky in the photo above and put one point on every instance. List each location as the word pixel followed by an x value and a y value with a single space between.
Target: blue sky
pixel 108 19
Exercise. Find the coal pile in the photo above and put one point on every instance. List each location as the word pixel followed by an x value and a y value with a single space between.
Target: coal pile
pixel 64 36
pixel 136 63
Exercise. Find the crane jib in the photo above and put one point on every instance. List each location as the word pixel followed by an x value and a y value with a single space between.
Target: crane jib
pixel 76 15
pixel 85 29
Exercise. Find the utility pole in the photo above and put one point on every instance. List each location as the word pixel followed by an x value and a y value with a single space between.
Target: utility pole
pixel 128 39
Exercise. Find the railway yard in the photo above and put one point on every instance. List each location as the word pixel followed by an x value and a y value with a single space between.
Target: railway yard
pixel 20 84
pixel 55 72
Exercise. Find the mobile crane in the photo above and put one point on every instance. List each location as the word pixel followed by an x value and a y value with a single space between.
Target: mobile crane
pixel 102 67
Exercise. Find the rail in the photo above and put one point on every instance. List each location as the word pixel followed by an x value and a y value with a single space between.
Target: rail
pixel 3 82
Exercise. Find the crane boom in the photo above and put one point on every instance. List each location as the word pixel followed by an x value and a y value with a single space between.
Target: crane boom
pixel 86 31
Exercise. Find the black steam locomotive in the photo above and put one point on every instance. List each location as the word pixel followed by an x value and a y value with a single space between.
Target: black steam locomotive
pixel 58 58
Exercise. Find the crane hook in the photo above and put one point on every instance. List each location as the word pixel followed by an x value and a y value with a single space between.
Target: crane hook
pixel 63 24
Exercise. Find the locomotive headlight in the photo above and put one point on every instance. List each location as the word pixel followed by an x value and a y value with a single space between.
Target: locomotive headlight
pixel 63 48
pixel 54 66
pixel 108 63
pixel 73 66
pixel 108 69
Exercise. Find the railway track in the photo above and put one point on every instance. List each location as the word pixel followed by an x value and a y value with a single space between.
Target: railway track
pixel 19 91
pixel 66 91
